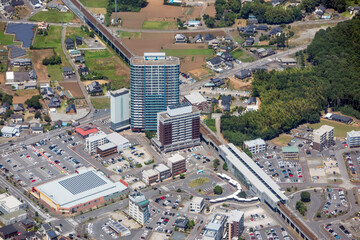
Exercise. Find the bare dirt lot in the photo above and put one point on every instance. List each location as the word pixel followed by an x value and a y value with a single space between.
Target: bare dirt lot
pixel 37 56
pixel 210 10
pixel 97 10
pixel 20 96
pixel 22 11
pixel 149 42
pixel 199 73
pixel 85 83
pixel 74 88
pixel 188 63
pixel 156 10
pixel 240 84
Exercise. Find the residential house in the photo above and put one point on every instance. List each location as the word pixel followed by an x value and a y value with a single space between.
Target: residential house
pixel 8 231
pixel 2 110
pixel 43 26
pixel 16 118
pixel 276 2
pixel 71 108
pixel 214 62
pixel 252 20
pixel 6 105
pixel 30 85
pixel 262 27
pixel 15 3
pixel 79 59
pixel 69 42
pixel 214 43
pixel 78 40
pixel 55 5
pixel 252 104
pixel 320 10
pixel 84 71
pixel 208 37
pixel 261 52
pixel 276 31
pixel 249 41
pixel 19 107
pixel 198 38
pixel 67 71
pixel 229 64
pixel 37 129
pixel 9 131
pixel 20 62
pixel 227 57
pixel 180 38
pixel 227 39
pixel 94 88
pixel 248 30
pixel 31 110
pixel 75 53
pixel 35 3
pixel 9 9
pixel 243 74
pixel 226 102
pixel 47 91
pixel 288 62
pixel 218 82
pixel 32 75
pixel 62 94
pixel 54 103
pixel 181 224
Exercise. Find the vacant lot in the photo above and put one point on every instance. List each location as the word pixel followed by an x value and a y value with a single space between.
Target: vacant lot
pixel 95 3
pixel 53 16
pixel 200 73
pixel 97 10
pixel 198 182
pixel 37 56
pixel 130 35
pixel 242 55
pixel 185 52
pixel 21 95
pixel 100 102
pixel 240 84
pixel 340 128
pixel 5 39
pixel 74 88
pixel 159 25
pixel 210 10
pixel 22 12
pixel 282 140
pixel 104 62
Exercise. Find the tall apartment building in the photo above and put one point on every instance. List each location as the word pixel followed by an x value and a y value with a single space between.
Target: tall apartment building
pixel 255 146
pixel 353 139
pixel 95 141
pixel 323 137
pixel 139 207
pixel 214 229
pixel 177 128
pixel 154 86
pixel 235 224
pixel 177 164
pixel 119 109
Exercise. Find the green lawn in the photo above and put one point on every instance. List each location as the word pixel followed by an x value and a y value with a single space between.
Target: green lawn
pixel 340 129
pixel 282 140
pixel 100 103
pixel 237 53
pixel 55 72
pixel 158 25
pixel 6 39
pixel 186 52
pixel 105 63
pixel 95 3
pixel 130 35
pixel 211 124
pixel 53 16
pixel 198 182
pixel 242 55
pixel 346 14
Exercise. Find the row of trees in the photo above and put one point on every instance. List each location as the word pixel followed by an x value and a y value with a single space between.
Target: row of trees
pixel 125 6
pixel 296 96
pixel 53 60
pixel 310 5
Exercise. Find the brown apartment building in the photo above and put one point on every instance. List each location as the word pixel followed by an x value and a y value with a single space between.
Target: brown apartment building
pixel 323 137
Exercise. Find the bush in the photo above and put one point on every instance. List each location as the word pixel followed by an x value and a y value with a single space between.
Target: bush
pixel 305 197
pixel 218 190
pixel 53 60
pixel 301 207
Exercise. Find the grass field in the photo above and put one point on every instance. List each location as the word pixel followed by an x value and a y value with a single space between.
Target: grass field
pixel 340 129
pixel 186 52
pixel 282 140
pixel 211 124
pixel 242 55
pixel 198 182
pixel 72 32
pixel 53 16
pixel 130 35
pixel 5 39
pixel 53 40
pixel 95 3
pixel 100 103
pixel 105 63
pixel 158 25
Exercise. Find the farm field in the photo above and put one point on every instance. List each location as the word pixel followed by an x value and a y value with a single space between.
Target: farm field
pixel 53 16
pixel 340 129
pixel 95 3
pixel 100 102
pixel 110 66
pixel 74 88
pixel 130 35
pixel 21 95
pixel 185 52
pixel 159 25
pixel 37 56
pixel 5 39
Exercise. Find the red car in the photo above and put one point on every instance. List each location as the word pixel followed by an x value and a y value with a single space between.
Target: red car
pixel 33 180
pixel 162 198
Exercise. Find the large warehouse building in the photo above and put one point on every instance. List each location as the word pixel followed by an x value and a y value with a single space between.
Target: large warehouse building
pixel 80 191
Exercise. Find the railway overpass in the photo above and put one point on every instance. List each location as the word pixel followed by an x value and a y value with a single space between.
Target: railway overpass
pixel 82 13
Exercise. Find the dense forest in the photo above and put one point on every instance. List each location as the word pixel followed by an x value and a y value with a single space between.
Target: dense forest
pixel 297 96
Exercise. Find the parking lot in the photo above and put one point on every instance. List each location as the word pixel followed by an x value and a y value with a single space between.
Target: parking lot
pixel 336 201
pixel 43 161
pixel 275 232
pixel 281 171
pixel 338 231
pixel 353 162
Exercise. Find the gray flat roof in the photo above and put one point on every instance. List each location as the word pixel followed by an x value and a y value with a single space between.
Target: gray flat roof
pixel 253 172
pixel 107 146
pixel 79 188
pixel 116 138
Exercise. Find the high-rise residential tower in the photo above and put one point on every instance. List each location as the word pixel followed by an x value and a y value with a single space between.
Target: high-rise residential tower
pixel 119 108
pixel 154 86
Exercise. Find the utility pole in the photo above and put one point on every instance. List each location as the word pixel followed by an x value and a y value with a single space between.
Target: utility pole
pixel 115 11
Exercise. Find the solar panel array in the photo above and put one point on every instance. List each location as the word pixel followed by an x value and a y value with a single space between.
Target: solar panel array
pixel 82 182
pixel 24 32
pixel 16 51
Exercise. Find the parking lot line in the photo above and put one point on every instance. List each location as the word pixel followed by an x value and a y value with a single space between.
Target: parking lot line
pixel 63 170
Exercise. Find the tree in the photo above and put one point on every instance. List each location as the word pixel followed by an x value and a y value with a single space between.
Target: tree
pixel 34 102
pixel 218 190
pixel 38 114
pixel 305 197
pixel 69 132
pixel 149 134
pixel 216 163
pixel 47 118
pixel 182 176
pixel 191 224
pixel 225 166
pixel 301 207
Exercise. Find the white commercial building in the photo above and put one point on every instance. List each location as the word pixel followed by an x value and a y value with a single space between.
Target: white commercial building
pixel 121 142
pixel 255 146
pixel 95 141
pixel 164 171
pixel 353 139
pixel 9 203
pixel 214 229
pixel 139 207
pixel 196 99
pixel 252 176
pixel 10 132
pixel 150 176
pixel 119 109
pixel 197 204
